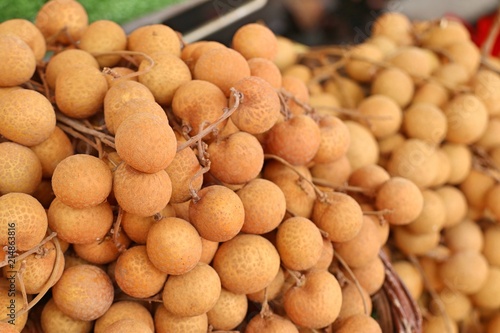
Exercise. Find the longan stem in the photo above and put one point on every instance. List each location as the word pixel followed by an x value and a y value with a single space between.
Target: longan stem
pixel 124 52
pixel 322 196
pixel 266 311
pixel 238 96
pixel 354 279
pixel 192 191
pixel 20 277
pixel 357 189
pixel 116 227
pixel 35 249
pixel 105 138
pixel 297 276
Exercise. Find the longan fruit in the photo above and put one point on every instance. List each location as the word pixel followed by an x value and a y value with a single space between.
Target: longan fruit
pixel 440 35
pixel 5 90
pixel 402 197
pixel 415 160
pixel 246 264
pixel 82 225
pixel 54 320
pixel 260 107
pixel 395 26
pixel 325 104
pixel 122 310
pixel 363 70
pixel 433 215
pixel 119 74
pixel 455 204
pixel 416 244
pixel 173 246
pixel 272 291
pixel 143 194
pixel 467 119
pixel 28 32
pixel 340 216
pixel 53 150
pixel 381 106
pixel 432 93
pixel 369 177
pixel 395 84
pixel 412 60
pixel 347 91
pixel 354 301
pixel 264 204
pixel 363 149
pixel 465 53
pixel 270 324
pixel 298 89
pixel 208 249
pixel 222 67
pixel 182 171
pixel 154 37
pixel 219 213
pixel 488 297
pixel 299 71
pixel 137 227
pixel 62 21
pixel 451 75
pixel 299 243
pixel 204 46
pixel 296 140
pixel 82 181
pixel 410 276
pixel 133 106
pixel 387 145
pixel 80 91
pixel 265 69
pixel 491 245
pixel 361 249
pixel 336 172
pixel 485 84
pixel 103 251
pixel 371 276
pixel 384 43
pixel 193 293
pixel 326 256
pixel 128 326
pixel 425 122
pixel 80 286
pixel 316 303
pixel 64 61
pixel 254 40
pixel 17 61
pixel 490 139
pixel 146 142
pixel 26 215
pixel 286 54
pixel 166 322
pixel 229 310
pixel 435 324
pixel 456 305
pixel 198 103
pixel 136 275
pixel 475 186
pixel 465 271
pixel 491 198
pixel 460 160
pixel 335 140
pixel 20 169
pixel 26 117
pixel 360 322
pixel 104 36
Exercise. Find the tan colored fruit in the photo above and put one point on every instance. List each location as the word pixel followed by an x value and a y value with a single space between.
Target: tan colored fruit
pixel 381 106
pixel 299 71
pixel 488 297
pixel 26 117
pixel 416 244
pixel 137 227
pixel 358 323
pixel 229 311
pixel 325 103
pixel 246 263
pixel 491 200
pixel 222 67
pixel 193 293
pixel 267 70
pixel 335 140
pixel 191 57
pixel 90 182
pixel 299 243
pixel 340 216
pixel 370 177
pixel 64 61
pixel 273 291
pixel 489 139
pixel 455 204
pixel 104 36
pixel 410 276
pixel 28 32
pixel 467 119
pixel 80 225
pixel 270 324
pixel 347 91
pixel 425 122
pixel 316 303
pixel 52 151
pixel 82 285
pixel 475 187
pixel 24 216
pixel 128 326
pixel 384 43
pixel 119 74
pixel 336 172
pixel 264 204
pixel 154 37
pixel 136 105
pixel 173 246
pixel 354 301
pixel 254 40
pixel 359 69
pixel 440 35
pixel 208 250
pixel 395 84
pixel 298 91
pixel 168 74
pixel 433 93
pixel 136 275
pixel 363 149
pixel 485 84
pixel 103 251
pixel 219 213
pixel 456 305
pixel 461 161
pixel 122 310
pixel 370 276
pixel 465 271
pixel 436 324
pixel 412 60
pixel 54 320
pixel 165 322
pixel 395 26
pixel 20 169
pixel 80 91
pixel 286 55
pixel 433 215
pixel 141 193
pixel 182 171
pixel 17 60
pixel 62 21
pixel 491 245
pixel 465 53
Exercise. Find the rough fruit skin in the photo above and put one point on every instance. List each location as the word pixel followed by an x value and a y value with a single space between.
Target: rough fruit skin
pixel 271 324
pixel 26 117
pixel 29 33
pixel 166 322
pixel 122 310
pixel 255 40
pixel 246 263
pixel 26 215
pixel 17 61
pixel 229 311
pixel 81 286
pixel 54 320
pixel 65 60
pixel 82 181
pixel 20 169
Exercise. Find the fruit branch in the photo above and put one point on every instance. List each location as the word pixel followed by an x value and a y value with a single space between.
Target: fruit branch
pixel 109 71
pixel 35 249
pixel 78 126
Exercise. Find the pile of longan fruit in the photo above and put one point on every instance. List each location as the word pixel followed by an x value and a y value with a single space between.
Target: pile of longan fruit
pixel 149 185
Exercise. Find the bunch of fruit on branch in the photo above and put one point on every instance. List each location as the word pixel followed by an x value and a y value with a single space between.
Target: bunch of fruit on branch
pixel 149 185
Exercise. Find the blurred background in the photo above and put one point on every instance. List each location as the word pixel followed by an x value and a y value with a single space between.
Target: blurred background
pixel 312 22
